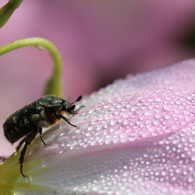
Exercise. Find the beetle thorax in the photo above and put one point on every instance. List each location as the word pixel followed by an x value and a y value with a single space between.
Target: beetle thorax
pixel 49 115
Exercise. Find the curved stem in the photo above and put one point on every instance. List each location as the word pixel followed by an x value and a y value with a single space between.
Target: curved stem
pixel 54 84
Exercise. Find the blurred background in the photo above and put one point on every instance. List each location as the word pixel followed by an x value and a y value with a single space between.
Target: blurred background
pixel 100 41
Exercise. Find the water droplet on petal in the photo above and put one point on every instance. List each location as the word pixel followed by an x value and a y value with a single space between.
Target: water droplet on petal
pixel 192 139
pixel 167 107
pixel 46 162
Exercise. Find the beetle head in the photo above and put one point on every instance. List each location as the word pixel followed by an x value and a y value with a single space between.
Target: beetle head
pixel 69 107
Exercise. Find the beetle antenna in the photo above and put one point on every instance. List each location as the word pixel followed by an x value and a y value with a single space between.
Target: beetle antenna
pixel 78 99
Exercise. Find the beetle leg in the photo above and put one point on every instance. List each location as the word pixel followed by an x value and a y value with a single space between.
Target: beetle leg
pixel 79 108
pixel 40 126
pixel 20 144
pixel 27 140
pixel 64 118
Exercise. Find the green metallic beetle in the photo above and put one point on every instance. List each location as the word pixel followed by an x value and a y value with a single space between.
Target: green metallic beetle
pixel 29 120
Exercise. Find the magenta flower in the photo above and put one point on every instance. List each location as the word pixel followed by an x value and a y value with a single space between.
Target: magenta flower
pixel 136 136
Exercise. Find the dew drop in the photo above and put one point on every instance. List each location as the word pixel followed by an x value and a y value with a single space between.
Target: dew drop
pixel 134 108
pixel 123 135
pixel 167 107
pixel 90 128
pixel 158 99
pixel 167 116
pixel 193 157
pixel 46 162
pixel 113 122
pixel 99 126
pixel 192 139
pixel 126 122
pixel 174 127
pixel 157 116
pixel 190 179
pixel 155 122
pixel 34 148
pixel 186 112
pixel 91 111
pixel 188 97
pixel 141 118
pixel 177 111
pixel 148 112
pixel 125 115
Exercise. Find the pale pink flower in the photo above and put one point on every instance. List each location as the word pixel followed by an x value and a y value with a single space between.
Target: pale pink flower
pixel 99 41
pixel 136 137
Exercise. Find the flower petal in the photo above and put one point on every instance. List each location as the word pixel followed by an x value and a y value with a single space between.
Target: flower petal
pixel 135 136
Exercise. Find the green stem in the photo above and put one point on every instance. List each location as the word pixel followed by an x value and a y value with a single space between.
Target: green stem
pixel 7 10
pixel 54 84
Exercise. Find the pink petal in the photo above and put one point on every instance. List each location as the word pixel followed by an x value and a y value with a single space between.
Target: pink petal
pixel 136 136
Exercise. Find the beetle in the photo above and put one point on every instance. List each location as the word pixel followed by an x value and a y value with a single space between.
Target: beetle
pixel 29 120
